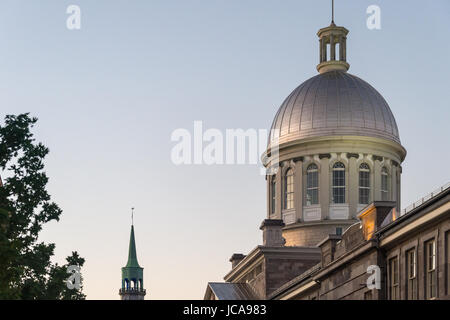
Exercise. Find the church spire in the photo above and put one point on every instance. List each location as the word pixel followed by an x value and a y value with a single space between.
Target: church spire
pixel 333 42
pixel 132 274
pixel 132 256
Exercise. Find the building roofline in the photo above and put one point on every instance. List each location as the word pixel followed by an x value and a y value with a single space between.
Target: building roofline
pixel 260 251
pixel 416 212
pixel 313 274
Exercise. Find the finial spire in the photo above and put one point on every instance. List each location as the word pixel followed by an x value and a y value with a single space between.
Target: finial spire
pixel 132 216
pixel 332 11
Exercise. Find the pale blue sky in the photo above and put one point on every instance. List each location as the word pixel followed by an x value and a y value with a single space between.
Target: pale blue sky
pixel 109 96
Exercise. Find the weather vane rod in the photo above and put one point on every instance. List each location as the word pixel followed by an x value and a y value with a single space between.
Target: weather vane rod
pixel 132 216
pixel 332 11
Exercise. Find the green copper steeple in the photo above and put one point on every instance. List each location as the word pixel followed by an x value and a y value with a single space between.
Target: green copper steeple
pixel 132 274
pixel 132 256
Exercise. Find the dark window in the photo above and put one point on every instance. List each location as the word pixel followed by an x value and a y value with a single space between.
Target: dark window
pixel 411 271
pixel 312 185
pixel 338 186
pixel 430 269
pixel 339 231
pixel 364 183
pixel 447 262
pixel 384 185
pixel 289 190
pixel 393 279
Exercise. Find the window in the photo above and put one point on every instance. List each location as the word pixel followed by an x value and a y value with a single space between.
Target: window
pixel 273 191
pixel 312 185
pixel 364 183
pixel 338 186
pixel 447 263
pixel 393 279
pixel 430 269
pixel 384 185
pixel 289 190
pixel 411 271
pixel 339 231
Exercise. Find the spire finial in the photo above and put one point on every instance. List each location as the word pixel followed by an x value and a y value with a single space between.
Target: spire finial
pixel 332 11
pixel 132 216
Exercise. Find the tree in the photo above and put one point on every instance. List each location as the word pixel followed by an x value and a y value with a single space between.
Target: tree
pixel 26 271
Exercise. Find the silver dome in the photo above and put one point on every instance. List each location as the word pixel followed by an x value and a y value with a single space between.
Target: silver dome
pixel 334 103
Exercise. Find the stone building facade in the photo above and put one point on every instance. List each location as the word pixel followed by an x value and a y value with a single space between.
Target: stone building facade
pixel 333 200
pixel 411 252
pixel 269 266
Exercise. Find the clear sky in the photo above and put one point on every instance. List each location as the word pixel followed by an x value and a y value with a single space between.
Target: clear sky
pixel 108 97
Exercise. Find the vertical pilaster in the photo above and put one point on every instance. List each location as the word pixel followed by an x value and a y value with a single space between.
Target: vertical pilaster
pixel 394 183
pixel 332 48
pixel 353 187
pixel 324 187
pixel 399 194
pixel 344 49
pixel 279 193
pixel 298 189
pixel 321 49
pixel 376 186
pixel 269 195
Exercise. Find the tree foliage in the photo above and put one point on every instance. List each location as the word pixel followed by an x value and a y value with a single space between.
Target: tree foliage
pixel 26 270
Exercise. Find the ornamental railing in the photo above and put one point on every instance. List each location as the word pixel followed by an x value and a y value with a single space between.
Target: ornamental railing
pixel 132 290
pixel 428 197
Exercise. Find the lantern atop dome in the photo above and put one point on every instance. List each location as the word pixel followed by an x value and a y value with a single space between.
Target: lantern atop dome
pixel 333 47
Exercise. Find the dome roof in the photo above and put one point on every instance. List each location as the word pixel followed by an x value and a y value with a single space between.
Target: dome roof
pixel 334 103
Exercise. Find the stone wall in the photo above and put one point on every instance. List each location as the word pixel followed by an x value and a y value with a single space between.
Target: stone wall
pixel 311 235
pixel 440 232
pixel 281 271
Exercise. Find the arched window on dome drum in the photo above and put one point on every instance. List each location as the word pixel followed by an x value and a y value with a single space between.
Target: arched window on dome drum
pixel 312 185
pixel 289 190
pixel 273 193
pixel 338 183
pixel 384 184
pixel 364 183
